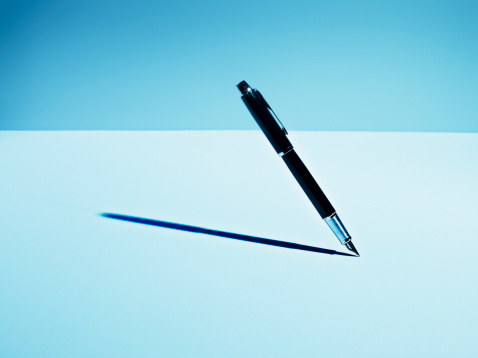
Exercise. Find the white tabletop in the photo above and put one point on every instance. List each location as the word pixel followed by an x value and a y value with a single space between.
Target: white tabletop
pixel 77 284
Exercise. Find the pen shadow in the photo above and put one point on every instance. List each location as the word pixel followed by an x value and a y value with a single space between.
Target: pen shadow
pixel 228 235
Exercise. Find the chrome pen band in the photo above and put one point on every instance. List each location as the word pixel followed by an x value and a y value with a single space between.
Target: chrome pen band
pixel 338 228
pixel 284 153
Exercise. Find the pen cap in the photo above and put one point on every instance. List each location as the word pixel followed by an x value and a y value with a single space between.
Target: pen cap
pixel 263 115
pixel 243 87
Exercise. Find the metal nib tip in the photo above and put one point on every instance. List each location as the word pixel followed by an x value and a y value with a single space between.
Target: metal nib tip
pixel 351 247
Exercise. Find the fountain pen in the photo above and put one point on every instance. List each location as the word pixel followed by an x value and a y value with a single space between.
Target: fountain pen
pixel 276 133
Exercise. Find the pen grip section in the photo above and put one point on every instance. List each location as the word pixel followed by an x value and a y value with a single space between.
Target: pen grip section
pixel 308 184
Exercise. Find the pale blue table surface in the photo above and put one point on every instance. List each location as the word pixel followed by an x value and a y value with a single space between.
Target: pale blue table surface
pixel 76 284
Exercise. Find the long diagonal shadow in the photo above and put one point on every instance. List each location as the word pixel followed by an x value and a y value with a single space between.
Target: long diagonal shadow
pixel 229 235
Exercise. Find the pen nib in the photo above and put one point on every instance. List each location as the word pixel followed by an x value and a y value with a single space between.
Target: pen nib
pixel 351 247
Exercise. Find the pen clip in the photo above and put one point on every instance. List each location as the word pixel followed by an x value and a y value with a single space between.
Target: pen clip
pixel 260 98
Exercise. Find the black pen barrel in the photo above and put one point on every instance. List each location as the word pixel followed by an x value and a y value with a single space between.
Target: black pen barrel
pixel 276 133
pixel 263 115
pixel 308 184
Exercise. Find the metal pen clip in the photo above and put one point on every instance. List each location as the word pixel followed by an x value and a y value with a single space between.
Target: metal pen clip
pixel 260 98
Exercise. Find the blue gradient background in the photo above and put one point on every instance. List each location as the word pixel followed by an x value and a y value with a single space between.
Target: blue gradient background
pixel 323 65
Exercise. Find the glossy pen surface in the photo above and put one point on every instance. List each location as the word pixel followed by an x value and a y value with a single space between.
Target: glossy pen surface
pixel 308 184
pixel 276 133
pixel 265 118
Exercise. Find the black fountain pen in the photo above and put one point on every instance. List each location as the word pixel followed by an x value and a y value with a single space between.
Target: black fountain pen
pixel 277 135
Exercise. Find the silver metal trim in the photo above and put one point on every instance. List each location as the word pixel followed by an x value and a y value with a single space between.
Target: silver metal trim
pixel 338 228
pixel 330 216
pixel 282 153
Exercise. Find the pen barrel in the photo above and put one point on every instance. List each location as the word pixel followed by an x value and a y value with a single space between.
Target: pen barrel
pixel 274 133
pixel 308 184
